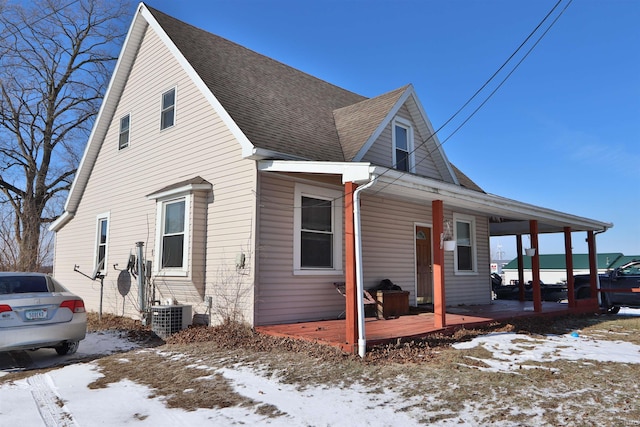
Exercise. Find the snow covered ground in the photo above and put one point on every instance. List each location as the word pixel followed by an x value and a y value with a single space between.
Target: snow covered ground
pixel 60 397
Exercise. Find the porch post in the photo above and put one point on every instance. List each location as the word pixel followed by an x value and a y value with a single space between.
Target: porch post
pixel 593 269
pixel 439 315
pixel 568 253
pixel 520 267
pixel 535 267
pixel 351 320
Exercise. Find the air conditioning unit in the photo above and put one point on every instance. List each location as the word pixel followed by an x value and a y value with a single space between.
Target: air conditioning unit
pixel 169 319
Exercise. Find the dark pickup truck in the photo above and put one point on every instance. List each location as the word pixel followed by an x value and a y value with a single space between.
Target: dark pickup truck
pixel 554 292
pixel 623 279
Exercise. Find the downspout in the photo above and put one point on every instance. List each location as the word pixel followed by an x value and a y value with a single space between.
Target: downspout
pixel 362 341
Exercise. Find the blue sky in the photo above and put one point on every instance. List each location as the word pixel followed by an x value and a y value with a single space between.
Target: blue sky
pixel 562 132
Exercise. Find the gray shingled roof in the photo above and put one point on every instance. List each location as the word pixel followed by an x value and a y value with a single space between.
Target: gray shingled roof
pixel 357 122
pixel 278 107
pixel 196 180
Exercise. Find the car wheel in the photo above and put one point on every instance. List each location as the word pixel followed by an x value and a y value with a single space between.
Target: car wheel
pixel 613 309
pixel 68 347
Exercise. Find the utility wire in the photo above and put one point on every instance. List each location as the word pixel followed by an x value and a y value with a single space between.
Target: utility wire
pixel 31 24
pixel 504 64
pixel 473 113
pixel 493 76
pixel 506 77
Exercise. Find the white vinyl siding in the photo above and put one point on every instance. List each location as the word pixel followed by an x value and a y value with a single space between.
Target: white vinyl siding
pixel 388 238
pixel 222 223
pixel 284 296
pixel 388 233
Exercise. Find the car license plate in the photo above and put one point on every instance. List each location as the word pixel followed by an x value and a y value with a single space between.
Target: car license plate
pixel 36 314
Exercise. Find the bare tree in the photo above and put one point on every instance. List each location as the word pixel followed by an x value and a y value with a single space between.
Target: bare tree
pixel 55 61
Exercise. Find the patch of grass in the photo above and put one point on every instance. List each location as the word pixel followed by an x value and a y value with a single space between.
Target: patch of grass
pixel 178 383
pixel 427 378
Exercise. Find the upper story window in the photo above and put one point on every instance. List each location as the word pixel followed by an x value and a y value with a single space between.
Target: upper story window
pixel 168 114
pixel 465 253
pixel 102 239
pixel 123 141
pixel 402 135
pixel 317 230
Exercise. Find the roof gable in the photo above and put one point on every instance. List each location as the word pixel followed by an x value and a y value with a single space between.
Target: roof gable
pixel 360 126
pixel 357 123
pixel 279 108
pixel 273 110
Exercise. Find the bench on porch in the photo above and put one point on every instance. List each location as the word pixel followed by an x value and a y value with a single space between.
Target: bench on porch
pixel 368 300
pixel 385 304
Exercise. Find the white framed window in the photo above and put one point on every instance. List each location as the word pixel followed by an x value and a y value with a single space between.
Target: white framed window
pixel 172 246
pixel 123 139
pixel 168 111
pixel 175 245
pixel 102 241
pixel 402 136
pixel 317 221
pixel 466 251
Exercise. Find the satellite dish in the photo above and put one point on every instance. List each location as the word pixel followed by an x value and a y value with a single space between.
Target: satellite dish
pixel 124 283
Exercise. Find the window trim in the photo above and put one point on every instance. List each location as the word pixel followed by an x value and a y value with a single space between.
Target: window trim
pixel 471 220
pixel 403 123
pixel 120 132
pixel 163 109
pixel 99 218
pixel 323 193
pixel 161 203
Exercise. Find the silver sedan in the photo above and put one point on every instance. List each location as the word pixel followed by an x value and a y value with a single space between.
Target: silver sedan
pixel 36 311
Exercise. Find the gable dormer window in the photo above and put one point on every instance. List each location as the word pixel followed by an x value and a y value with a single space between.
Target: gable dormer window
pixel 168 114
pixel 402 145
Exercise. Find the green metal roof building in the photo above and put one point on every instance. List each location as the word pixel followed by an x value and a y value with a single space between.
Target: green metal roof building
pixel 553 268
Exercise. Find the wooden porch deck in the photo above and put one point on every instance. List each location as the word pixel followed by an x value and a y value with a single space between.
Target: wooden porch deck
pixel 414 325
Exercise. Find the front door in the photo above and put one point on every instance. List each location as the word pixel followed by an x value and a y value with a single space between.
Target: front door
pixel 424 266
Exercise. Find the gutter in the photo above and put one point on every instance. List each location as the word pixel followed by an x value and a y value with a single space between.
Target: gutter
pixel 362 341
pixel 61 221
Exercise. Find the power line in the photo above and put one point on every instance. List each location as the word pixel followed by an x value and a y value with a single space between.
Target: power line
pixel 473 113
pixel 31 24
pixel 507 76
pixel 489 96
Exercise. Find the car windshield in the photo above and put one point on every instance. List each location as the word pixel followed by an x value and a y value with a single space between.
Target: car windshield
pixel 22 284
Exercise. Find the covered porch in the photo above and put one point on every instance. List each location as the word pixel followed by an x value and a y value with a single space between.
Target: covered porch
pixel 417 324
pixel 505 217
pixel 370 191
